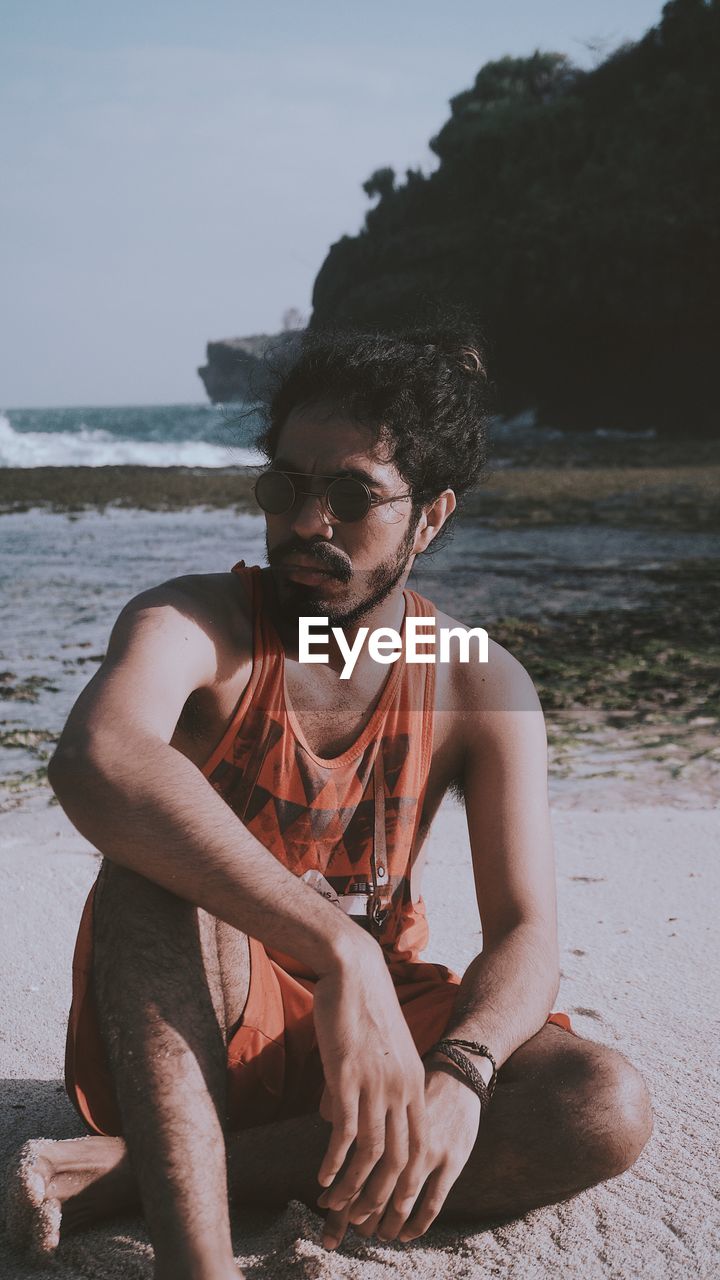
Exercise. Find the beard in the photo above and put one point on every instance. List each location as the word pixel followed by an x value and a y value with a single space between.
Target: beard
pixel 370 587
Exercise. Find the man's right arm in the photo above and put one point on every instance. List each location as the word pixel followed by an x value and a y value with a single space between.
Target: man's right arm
pixel 147 807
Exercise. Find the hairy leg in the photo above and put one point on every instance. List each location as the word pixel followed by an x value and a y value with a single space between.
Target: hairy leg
pixel 162 1016
pixel 567 1113
pixel 570 1113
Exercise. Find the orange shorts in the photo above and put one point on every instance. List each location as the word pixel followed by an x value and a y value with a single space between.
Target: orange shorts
pixel 274 1066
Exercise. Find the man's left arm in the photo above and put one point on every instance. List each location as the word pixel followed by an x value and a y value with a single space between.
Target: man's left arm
pixel 507 991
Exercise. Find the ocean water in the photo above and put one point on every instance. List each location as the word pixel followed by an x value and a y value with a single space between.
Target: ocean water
pixel 204 435
pixel 180 435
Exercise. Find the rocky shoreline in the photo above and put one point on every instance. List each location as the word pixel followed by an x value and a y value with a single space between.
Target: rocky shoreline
pixel 669 497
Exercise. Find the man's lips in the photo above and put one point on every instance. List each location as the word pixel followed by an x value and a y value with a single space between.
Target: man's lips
pixel 308 571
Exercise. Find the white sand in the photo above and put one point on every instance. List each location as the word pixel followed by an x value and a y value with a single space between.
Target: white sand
pixel 638 897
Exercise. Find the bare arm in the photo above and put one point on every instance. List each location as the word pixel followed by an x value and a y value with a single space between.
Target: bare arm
pixel 507 991
pixel 144 805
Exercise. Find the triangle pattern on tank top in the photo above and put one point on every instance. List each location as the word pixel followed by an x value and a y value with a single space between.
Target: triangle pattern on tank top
pixel 314 778
pixel 258 798
pixel 320 815
pixel 395 753
pixel 288 812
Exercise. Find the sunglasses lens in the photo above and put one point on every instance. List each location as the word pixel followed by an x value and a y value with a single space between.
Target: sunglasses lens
pixel 274 492
pixel 348 499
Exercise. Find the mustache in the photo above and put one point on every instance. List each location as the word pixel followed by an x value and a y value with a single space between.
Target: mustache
pixel 328 558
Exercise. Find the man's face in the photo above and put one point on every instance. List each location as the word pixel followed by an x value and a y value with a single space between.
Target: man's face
pixel 322 566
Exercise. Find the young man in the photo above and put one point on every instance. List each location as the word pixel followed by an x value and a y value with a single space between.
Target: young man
pixel 250 1015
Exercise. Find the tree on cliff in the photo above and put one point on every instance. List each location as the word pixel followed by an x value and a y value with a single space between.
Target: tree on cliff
pixel 380 183
pixel 576 214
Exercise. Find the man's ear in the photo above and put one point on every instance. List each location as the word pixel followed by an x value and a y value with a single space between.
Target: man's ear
pixel 432 520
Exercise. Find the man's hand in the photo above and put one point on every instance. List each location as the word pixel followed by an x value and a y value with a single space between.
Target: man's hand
pixel 452 1112
pixel 374 1080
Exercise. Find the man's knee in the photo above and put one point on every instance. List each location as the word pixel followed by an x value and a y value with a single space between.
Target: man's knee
pixel 608 1108
pixel 141 932
pixel 119 890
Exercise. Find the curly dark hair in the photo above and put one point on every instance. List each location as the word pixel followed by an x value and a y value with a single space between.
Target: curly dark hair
pixel 425 392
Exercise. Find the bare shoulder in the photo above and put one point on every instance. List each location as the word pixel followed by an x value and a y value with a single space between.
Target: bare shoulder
pixel 188 639
pixel 480 687
pixel 201 607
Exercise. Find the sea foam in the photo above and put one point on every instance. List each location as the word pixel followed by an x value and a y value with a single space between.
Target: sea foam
pixel 93 447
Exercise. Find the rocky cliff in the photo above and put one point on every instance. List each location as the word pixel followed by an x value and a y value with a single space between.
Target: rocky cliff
pixel 240 369
pixel 575 215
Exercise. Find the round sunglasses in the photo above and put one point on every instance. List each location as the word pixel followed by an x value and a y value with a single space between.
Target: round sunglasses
pixel 345 497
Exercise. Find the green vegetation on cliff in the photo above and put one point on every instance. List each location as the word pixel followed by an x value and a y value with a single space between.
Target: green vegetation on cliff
pixel 575 214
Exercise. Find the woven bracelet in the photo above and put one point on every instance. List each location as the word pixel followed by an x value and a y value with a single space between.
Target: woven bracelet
pixel 481 1049
pixel 468 1069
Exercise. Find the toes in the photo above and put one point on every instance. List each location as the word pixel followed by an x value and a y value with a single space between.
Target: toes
pixel 32 1220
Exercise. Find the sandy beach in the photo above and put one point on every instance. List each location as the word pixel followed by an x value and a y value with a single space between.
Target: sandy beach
pixel 637 892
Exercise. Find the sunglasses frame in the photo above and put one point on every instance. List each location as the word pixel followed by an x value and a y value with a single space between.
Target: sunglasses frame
pixel 372 500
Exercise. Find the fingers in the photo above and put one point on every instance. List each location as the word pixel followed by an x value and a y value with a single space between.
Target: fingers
pixel 326 1105
pixel 401 1203
pixel 334 1227
pixel 345 1126
pixel 369 1147
pixel 369 1226
pixel 390 1151
pixel 391 1224
pixel 402 1183
pixel 407 1215
pixel 384 1177
pixel 431 1202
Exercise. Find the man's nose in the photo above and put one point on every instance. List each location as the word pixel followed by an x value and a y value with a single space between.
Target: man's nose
pixel 311 517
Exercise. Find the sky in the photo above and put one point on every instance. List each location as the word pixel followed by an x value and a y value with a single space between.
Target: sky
pixel 176 172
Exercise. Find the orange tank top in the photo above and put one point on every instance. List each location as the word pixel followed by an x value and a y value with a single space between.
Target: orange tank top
pixel 355 817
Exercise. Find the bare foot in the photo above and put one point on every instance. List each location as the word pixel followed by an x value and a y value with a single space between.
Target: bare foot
pixel 69 1185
